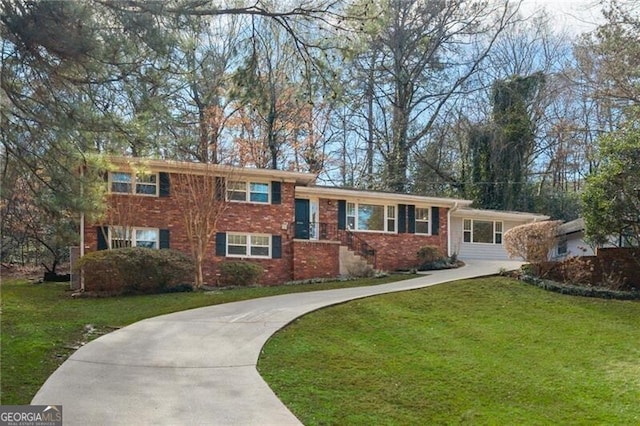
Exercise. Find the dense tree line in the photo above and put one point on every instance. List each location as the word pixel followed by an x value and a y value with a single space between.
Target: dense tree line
pixel 443 98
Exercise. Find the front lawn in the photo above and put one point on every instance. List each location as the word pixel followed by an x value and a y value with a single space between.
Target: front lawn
pixel 485 351
pixel 42 325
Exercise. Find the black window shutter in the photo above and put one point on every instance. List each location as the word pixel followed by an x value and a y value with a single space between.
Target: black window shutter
pixel 402 218
pixel 276 247
pixel 103 232
pixel 165 238
pixel 220 188
pixel 276 196
pixel 435 220
pixel 411 218
pixel 342 214
pixel 165 184
pixel 221 244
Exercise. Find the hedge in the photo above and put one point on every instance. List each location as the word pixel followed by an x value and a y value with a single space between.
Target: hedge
pixel 136 270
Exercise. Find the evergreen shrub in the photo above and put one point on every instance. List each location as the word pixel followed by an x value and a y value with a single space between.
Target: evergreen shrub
pixel 136 270
pixel 239 273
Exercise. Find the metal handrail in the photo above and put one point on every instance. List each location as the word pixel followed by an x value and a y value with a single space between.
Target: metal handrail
pixel 360 246
pixel 321 231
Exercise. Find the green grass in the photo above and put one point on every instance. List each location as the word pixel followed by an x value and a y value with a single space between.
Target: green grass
pixel 41 323
pixel 486 351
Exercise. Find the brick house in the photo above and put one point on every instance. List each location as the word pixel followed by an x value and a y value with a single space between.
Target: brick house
pixel 293 228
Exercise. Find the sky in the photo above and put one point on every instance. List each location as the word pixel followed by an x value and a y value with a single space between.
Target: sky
pixel 576 16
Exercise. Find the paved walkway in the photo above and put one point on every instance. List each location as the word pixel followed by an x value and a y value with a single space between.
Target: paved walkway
pixel 198 367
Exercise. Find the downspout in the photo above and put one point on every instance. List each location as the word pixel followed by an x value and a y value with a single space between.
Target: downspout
pixel 451 210
pixel 82 227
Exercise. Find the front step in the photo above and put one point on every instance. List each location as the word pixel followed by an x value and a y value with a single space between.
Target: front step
pixel 352 264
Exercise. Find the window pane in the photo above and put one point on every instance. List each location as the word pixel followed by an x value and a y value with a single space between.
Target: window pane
pixel 259 192
pixel 422 227
pixel 467 225
pixel 145 189
pixel 498 238
pixel 146 178
pixel 370 217
pixel 146 235
pixel 237 239
pixel 498 226
pixel 237 245
pixel 121 182
pixel 121 187
pixel 351 216
pixel 237 186
pixel 121 177
pixel 391 212
pixel 422 214
pixel 259 240
pixel 238 250
pixel 422 220
pixel 120 237
pixel 237 191
pixel 260 251
pixel 467 236
pixel 237 196
pixel 259 187
pixel 482 231
pixel 259 197
pixel 391 225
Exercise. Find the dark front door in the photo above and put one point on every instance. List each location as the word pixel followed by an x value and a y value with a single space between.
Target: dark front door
pixel 302 219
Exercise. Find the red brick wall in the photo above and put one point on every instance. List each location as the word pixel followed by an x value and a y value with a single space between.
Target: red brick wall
pixel 300 259
pixel 315 259
pixel 398 251
pixel 166 213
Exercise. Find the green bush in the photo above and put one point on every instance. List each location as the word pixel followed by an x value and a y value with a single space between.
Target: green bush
pixel 239 273
pixel 429 254
pixel 136 270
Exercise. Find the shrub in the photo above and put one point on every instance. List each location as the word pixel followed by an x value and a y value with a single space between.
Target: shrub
pixel 429 254
pixel 239 273
pixel 360 270
pixel 136 270
pixel 576 270
pixel 532 242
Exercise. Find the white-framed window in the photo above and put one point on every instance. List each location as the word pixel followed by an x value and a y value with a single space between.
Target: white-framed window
pixel 482 231
pixel 391 218
pixel 253 192
pixel 248 245
pixel 120 236
pixel 371 217
pixel 134 183
pixel 422 220
pixel 351 215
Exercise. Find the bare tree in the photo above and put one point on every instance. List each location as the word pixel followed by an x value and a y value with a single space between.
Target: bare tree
pixel 428 51
pixel 201 195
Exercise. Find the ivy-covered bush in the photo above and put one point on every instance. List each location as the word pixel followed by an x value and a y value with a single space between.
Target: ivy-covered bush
pixel 136 270
pixel 239 273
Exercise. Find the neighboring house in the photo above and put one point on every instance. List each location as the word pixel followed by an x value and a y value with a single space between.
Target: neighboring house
pixel 293 228
pixel 571 241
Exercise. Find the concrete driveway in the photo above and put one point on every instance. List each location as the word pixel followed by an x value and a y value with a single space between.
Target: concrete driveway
pixel 198 367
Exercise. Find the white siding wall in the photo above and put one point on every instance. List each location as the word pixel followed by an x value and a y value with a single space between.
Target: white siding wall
pixel 478 250
pixel 576 246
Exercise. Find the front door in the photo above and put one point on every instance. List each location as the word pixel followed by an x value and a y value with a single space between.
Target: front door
pixel 302 219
